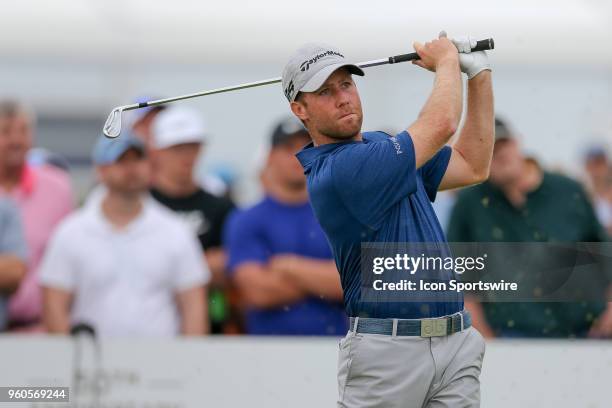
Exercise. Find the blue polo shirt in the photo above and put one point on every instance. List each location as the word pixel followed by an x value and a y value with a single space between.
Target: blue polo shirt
pixel 12 242
pixel 371 191
pixel 270 228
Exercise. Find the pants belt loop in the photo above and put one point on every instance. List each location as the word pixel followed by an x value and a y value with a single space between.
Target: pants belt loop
pixel 461 314
pixel 356 324
pixel 394 331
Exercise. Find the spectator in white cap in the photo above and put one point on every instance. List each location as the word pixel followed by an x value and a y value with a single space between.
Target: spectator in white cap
pixel 178 136
pixel 123 263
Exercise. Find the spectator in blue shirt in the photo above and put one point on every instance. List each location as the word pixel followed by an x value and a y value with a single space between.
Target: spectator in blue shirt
pixel 279 257
pixel 13 253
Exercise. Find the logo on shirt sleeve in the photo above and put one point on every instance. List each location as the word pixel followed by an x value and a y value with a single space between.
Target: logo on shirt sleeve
pixel 398 147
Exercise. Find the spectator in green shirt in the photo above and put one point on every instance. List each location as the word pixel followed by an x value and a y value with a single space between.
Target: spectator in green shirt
pixel 523 203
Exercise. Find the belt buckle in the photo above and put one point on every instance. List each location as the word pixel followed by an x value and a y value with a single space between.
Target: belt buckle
pixel 433 327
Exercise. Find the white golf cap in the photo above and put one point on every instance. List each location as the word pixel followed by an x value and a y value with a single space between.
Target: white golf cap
pixel 310 66
pixel 177 125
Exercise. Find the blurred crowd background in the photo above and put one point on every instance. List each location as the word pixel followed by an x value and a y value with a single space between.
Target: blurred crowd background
pixel 196 221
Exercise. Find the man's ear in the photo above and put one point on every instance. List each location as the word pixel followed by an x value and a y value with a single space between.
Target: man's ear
pixel 299 110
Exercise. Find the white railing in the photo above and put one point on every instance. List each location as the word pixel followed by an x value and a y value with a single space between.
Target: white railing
pixel 280 372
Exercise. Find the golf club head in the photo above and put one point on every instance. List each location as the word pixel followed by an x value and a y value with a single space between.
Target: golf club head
pixel 112 127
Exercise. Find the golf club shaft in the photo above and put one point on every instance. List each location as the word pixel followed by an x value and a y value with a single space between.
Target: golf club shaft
pixel 487 44
pixel 112 126
pixel 203 93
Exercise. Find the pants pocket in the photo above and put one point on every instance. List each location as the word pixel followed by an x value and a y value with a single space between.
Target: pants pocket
pixel 482 340
pixel 345 360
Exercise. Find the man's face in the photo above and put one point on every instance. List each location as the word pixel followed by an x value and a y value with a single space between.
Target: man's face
pixel 177 162
pixel 285 166
pixel 129 175
pixel 508 161
pixel 142 128
pixel 15 140
pixel 334 110
pixel 597 167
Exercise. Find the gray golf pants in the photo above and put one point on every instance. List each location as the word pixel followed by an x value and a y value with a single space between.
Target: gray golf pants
pixel 387 371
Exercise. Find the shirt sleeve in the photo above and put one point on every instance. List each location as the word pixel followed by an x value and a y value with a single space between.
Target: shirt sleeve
pixel 433 171
pixel 191 268
pixel 58 267
pixel 243 241
pixel 371 178
pixel 12 238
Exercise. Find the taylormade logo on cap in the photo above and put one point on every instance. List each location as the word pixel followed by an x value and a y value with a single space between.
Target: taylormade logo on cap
pixel 310 66
pixel 306 64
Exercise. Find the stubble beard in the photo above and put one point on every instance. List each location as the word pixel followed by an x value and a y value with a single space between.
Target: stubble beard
pixel 342 133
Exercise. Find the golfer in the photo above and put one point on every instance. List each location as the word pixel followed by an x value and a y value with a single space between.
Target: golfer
pixel 371 187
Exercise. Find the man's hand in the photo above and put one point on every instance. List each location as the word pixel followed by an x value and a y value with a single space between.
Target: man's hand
pixel 317 277
pixel 602 326
pixel 472 63
pixel 435 53
pixel 56 309
pixel 216 259
pixel 283 264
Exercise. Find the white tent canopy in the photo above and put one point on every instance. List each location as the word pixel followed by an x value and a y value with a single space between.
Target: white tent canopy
pixel 74 59
pixel 188 31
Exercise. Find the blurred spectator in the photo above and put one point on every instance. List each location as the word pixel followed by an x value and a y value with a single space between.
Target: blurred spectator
pixel 43 195
pixel 443 206
pixel 124 264
pixel 220 181
pixel 215 185
pixel 140 121
pixel 40 156
pixel 278 254
pixel 522 203
pixel 178 135
pixel 13 255
pixel 599 172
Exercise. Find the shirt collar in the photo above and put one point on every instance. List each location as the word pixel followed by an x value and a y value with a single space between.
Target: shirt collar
pixel 99 220
pixel 28 179
pixel 27 182
pixel 309 154
pixel 275 202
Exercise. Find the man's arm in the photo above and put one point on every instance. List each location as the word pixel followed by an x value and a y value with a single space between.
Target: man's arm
pixel 56 310
pixel 263 288
pixel 439 118
pixel 479 321
pixel 317 277
pixel 12 270
pixel 216 259
pixel 472 152
pixel 193 309
pixel 216 254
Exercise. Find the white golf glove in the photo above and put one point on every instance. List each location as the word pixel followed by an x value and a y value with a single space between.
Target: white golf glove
pixel 472 63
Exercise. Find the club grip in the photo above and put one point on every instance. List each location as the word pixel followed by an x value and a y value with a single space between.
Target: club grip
pixel 484 45
pixel 481 45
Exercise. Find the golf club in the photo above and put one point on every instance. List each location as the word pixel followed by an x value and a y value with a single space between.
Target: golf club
pixel 112 127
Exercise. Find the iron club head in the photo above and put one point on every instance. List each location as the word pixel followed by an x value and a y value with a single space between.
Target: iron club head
pixel 112 127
